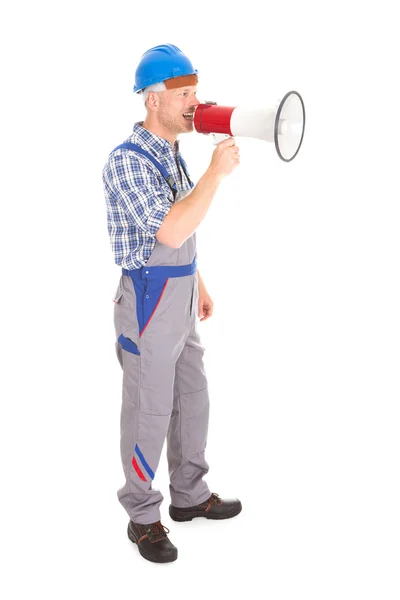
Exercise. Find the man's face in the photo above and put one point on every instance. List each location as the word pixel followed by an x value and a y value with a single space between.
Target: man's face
pixel 177 108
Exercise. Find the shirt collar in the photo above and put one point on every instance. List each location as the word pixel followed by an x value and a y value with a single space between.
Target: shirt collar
pixel 152 142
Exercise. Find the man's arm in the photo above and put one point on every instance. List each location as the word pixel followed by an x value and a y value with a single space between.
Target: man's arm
pixel 199 278
pixel 185 216
pixel 135 185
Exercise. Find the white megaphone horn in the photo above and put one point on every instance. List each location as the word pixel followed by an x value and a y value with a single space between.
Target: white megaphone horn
pixel 282 124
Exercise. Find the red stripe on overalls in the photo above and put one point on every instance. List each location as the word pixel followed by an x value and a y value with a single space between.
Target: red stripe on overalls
pixel 155 308
pixel 138 470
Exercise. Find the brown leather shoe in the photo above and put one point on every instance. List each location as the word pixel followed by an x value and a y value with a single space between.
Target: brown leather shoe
pixel 213 508
pixel 152 541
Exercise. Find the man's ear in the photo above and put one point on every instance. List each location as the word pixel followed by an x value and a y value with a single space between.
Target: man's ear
pixel 153 101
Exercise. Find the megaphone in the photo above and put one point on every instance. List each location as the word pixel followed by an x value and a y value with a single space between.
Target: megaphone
pixel 282 124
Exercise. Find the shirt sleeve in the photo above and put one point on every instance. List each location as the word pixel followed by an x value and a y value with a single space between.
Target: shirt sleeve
pixel 143 195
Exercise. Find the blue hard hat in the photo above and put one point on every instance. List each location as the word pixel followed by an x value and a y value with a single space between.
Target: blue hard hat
pixel 161 63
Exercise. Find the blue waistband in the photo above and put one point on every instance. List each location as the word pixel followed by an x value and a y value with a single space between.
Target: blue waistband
pixel 162 272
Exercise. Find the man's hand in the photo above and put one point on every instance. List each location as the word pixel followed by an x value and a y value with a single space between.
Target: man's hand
pixel 225 158
pixel 206 305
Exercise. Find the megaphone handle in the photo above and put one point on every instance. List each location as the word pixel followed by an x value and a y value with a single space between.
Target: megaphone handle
pixel 219 137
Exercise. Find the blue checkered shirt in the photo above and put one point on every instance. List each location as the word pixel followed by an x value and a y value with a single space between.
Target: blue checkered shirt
pixel 138 197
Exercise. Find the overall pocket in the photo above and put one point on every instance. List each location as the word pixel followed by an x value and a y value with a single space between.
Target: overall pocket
pixel 125 317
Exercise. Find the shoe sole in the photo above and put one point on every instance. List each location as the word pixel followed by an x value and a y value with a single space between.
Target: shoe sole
pixel 146 556
pixel 179 516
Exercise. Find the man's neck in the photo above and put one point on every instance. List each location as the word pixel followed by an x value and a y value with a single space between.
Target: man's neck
pixel 161 132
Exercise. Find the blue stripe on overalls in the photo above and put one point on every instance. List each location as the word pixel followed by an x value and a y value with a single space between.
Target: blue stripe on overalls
pixel 150 282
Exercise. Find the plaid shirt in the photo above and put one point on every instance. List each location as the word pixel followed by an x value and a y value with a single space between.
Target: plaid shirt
pixel 138 197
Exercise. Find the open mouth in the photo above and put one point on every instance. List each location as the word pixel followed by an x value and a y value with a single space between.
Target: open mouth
pixel 189 116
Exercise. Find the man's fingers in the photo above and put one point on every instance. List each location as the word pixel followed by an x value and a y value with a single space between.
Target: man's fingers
pixel 205 318
pixel 228 142
pixel 205 315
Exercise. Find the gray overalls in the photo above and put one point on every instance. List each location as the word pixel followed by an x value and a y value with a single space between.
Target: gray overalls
pixel 164 384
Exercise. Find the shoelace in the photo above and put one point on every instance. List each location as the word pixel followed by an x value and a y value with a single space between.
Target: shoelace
pixel 157 531
pixel 214 499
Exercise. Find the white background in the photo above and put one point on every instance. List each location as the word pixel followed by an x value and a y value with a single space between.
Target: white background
pixel 301 260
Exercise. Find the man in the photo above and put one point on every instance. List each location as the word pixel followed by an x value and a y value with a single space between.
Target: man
pixel 153 212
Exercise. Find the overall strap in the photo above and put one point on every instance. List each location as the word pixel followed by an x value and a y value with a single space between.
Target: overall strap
pixel 163 170
pixel 185 169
